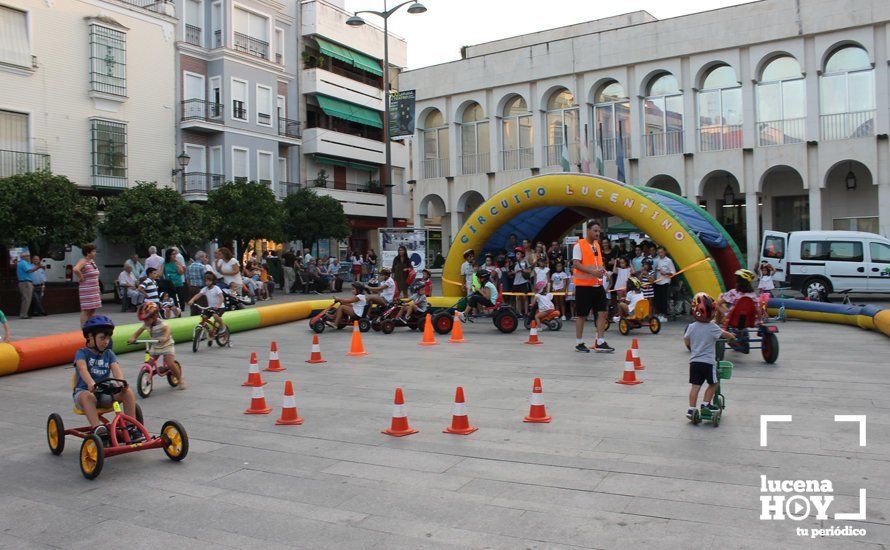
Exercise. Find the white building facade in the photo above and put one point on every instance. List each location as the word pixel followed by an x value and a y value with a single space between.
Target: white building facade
pixel 771 115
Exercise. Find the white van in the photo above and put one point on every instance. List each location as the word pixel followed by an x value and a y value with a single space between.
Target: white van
pixel 829 261
pixel 109 258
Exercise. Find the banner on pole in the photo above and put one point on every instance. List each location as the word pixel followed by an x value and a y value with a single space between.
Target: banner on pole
pixel 401 113
pixel 414 241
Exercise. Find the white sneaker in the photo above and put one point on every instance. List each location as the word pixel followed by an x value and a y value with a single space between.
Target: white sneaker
pixel 662 318
pixel 563 318
pixel 616 319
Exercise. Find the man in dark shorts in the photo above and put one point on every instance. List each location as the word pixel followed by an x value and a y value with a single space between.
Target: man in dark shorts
pixel 588 270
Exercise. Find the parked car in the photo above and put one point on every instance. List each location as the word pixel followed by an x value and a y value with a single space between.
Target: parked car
pixel 823 262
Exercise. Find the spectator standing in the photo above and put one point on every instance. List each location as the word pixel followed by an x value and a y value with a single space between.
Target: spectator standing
pixel 194 273
pixel 636 261
pixel 148 287
pixel 179 257
pixel 127 282
pixel 400 266
pixel 372 259
pixel 38 278
pixel 356 266
pixel 87 273
pixel 24 271
pixel 173 274
pixel 664 270
pixel 154 260
pixel 307 257
pixel 227 266
pixel 468 269
pixel 289 260
pixel 136 266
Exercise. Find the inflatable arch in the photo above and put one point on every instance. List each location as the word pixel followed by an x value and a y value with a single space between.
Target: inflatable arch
pixel 546 206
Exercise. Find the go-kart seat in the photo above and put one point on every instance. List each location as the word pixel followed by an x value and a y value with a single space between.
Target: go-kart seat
pixel 744 314
pixel 81 412
pixel 641 310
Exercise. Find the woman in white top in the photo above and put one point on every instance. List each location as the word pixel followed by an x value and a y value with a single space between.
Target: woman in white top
pixel 227 266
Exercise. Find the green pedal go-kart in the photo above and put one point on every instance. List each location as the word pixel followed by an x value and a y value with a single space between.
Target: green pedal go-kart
pixel 699 415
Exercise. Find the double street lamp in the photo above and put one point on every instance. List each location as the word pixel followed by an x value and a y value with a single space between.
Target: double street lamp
pixel 356 21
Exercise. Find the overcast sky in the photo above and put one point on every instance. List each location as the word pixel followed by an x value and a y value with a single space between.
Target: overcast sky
pixel 437 35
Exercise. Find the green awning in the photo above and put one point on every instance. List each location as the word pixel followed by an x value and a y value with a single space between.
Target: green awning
pixel 321 159
pixel 352 57
pixel 349 111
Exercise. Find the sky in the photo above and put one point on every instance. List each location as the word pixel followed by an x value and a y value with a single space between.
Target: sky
pixel 437 35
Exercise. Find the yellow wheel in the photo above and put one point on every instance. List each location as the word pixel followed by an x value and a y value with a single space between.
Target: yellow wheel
pixel 623 327
pixel 92 456
pixel 176 440
pixel 55 434
pixel 654 325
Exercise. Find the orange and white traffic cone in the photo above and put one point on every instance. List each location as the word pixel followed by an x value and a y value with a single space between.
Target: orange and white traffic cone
pixel 315 356
pixel 630 375
pixel 536 411
pixel 460 422
pixel 253 373
pixel 457 331
pixel 533 335
pixel 429 337
pixel 258 402
pixel 274 363
pixel 357 347
pixel 399 426
pixel 289 415
pixel 635 352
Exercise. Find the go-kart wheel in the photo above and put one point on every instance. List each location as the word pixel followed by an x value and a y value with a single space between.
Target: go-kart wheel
pixel 377 325
pixel 364 325
pixel 720 401
pixel 654 325
pixel 623 327
pixel 144 383
pixel 527 322
pixel 139 417
pixel 176 440
pixel 171 378
pixel 554 324
pixel 696 417
pixel 92 456
pixel 442 323
pixel 769 347
pixel 55 434
pixel 222 338
pixel 197 336
pixel 387 327
pixel 506 321
pixel 318 327
pixel 715 418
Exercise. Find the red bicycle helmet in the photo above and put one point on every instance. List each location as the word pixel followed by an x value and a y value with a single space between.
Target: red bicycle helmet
pixel 703 307
pixel 146 310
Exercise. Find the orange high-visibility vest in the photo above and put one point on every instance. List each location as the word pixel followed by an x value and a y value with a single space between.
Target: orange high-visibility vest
pixel 591 256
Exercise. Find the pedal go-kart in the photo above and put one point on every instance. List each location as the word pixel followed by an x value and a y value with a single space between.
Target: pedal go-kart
pixel 699 415
pixel 119 440
pixel 150 369
pixel 502 315
pixel 389 320
pixel 551 321
pixel 750 332
pixel 325 318
pixel 641 318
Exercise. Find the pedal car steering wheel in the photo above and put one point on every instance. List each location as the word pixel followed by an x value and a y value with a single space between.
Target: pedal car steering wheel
pixel 110 386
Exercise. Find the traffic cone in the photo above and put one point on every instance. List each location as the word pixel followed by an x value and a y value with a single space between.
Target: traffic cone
pixel 289 415
pixel 274 363
pixel 457 331
pixel 399 426
pixel 536 411
pixel 258 402
pixel 357 347
pixel 253 373
pixel 315 356
pixel 630 375
pixel 635 351
pixel 460 422
pixel 429 337
pixel 533 335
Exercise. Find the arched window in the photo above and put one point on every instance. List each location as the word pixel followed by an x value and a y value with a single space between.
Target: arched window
pixel 611 116
pixel 562 130
pixel 474 145
pixel 781 103
pixel 720 110
pixel 517 135
pixel 435 146
pixel 847 95
pixel 664 117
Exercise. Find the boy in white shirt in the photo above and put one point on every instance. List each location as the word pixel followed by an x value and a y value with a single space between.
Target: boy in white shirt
pixel 216 301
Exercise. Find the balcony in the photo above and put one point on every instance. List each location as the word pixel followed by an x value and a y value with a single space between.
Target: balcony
pixel 164 7
pixel 201 183
pixel 264 118
pixel 553 155
pixel 517 159
pixel 193 35
pixel 289 128
pixel 659 144
pixel 856 124
pixel 334 143
pixel 201 115
pixel 610 148
pixel 251 46
pixel 287 188
pixel 357 187
pixel 475 164
pixel 333 84
pixel 720 137
pixel 20 162
pixel 434 168
pixel 780 132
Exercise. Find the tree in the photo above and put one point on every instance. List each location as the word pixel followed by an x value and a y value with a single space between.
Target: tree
pixel 309 217
pixel 43 209
pixel 241 212
pixel 147 215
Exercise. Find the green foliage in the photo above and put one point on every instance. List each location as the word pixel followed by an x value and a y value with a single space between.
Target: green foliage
pixel 43 209
pixel 309 217
pixel 147 215
pixel 244 211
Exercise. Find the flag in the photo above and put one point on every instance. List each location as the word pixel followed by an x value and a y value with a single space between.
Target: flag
pixel 619 156
pixel 566 165
pixel 585 153
pixel 600 167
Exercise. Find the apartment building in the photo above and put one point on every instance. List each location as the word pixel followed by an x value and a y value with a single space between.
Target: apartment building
pixel 771 115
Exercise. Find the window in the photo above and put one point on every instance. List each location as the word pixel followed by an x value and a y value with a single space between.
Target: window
pixel 264 167
pixel 474 143
pixel 562 128
pixel 781 103
pixel 611 112
pixel 13 131
pixel 720 110
pixel 279 46
pixel 880 253
pixel 847 95
pixel 517 135
pixel 867 224
pixel 774 247
pixel 108 60
pixel 240 164
pixel 664 117
pixel 435 146
pixel 251 33
pixel 836 251
pixel 239 100
pixel 15 48
pixel 263 105
pixel 194 22
pixel 791 213
pixel 109 153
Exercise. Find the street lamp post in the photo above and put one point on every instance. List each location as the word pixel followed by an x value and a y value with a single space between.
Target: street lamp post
pixel 183 160
pixel 356 21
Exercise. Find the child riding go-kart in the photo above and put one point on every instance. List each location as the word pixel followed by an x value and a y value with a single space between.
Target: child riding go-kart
pixel 344 312
pixel 745 321
pixel 404 312
pixel 634 310
pixel 486 301
pixel 542 310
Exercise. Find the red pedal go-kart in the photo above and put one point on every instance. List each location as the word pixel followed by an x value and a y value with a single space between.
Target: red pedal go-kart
pixel 389 320
pixel 551 321
pixel 325 318
pixel 120 439
pixel 744 321
pixel 502 315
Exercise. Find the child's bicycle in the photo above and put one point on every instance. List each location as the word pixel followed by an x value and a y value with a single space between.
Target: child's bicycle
pixel 150 369
pixel 699 415
pixel 208 329
pixel 123 434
